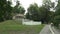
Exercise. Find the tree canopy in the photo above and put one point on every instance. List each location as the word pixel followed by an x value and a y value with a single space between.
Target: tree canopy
pixel 18 8
pixel 56 19
pixel 33 12
pixel 7 11
pixel 41 13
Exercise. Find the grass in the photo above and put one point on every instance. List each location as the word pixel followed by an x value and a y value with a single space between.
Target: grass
pixel 14 27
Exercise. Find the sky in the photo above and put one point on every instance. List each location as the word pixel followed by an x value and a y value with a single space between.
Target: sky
pixel 26 3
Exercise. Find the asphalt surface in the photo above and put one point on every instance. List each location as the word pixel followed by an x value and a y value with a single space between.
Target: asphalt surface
pixel 46 30
pixel 56 31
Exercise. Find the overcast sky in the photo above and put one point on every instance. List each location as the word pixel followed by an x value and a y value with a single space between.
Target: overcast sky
pixel 26 3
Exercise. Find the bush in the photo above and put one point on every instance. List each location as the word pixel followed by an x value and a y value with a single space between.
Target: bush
pixel 56 20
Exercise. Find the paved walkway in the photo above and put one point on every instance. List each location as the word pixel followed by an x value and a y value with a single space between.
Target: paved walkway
pixel 56 31
pixel 46 30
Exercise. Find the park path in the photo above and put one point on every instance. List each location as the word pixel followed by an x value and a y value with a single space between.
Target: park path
pixel 56 31
pixel 46 30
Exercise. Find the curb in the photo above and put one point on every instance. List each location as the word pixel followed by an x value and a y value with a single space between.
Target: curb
pixel 51 29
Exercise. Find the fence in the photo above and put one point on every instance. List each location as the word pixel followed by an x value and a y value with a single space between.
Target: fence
pixel 30 22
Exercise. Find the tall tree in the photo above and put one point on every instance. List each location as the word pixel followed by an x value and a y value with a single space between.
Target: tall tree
pixel 44 14
pixel 45 11
pixel 5 10
pixel 56 20
pixel 41 13
pixel 33 12
pixel 48 4
pixel 18 8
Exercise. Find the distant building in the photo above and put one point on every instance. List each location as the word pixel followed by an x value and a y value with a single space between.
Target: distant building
pixel 18 16
pixel 21 19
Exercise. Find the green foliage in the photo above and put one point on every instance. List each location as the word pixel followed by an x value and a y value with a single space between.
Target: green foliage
pixel 5 10
pixel 33 12
pixel 44 14
pixel 52 14
pixel 18 9
pixel 48 4
pixel 39 13
pixel 56 19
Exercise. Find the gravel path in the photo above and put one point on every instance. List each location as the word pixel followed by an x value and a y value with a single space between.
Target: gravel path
pixel 45 30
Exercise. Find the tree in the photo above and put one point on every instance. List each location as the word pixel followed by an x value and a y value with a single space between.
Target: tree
pixel 5 10
pixel 45 11
pixel 33 12
pixel 52 14
pixel 44 14
pixel 8 11
pixel 41 13
pixel 56 20
pixel 48 4
pixel 18 9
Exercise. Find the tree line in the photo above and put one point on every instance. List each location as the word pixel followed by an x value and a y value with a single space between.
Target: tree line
pixel 7 11
pixel 35 13
pixel 41 13
pixel 44 13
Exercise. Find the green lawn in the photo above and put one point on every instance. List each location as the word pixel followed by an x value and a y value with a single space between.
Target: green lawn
pixel 14 27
